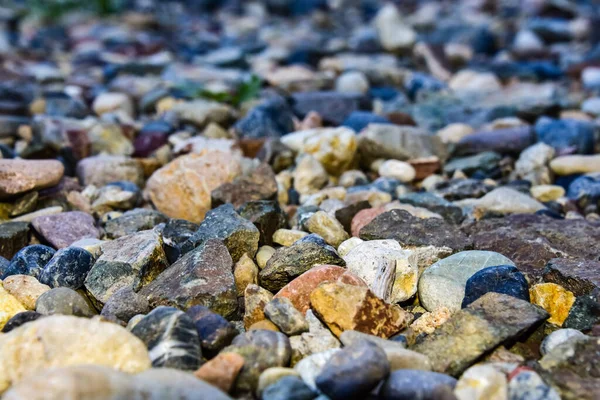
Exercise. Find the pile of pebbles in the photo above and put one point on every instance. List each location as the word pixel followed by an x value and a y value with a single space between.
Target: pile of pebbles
pixel 301 199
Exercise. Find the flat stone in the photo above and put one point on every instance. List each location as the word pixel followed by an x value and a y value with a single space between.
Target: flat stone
pixel 13 237
pixel 288 319
pixel 68 267
pixel 482 326
pixel 504 200
pixel 26 289
pixel 349 307
pixel 553 298
pixel 505 279
pixel 102 170
pixel 64 301
pixel 259 184
pixel 214 331
pixel 204 276
pixel 221 371
pixel 567 136
pixel 20 176
pixel 133 221
pixel 578 276
pixel 575 164
pixel 415 384
pixel 134 260
pixel 459 189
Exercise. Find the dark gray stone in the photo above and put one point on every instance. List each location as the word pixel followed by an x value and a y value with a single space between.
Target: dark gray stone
pixel 214 331
pixel 408 384
pixel 288 388
pixel 267 216
pixel 259 184
pixel 124 305
pixel 29 260
pixel 20 319
pixel 504 279
pixel 439 205
pixel 174 234
pixel 64 301
pixel 133 221
pixel 68 267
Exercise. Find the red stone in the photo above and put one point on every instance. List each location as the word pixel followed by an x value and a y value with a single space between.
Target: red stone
pixel 363 217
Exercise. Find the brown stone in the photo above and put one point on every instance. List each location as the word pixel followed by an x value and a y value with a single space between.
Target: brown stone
pixel 61 230
pixel 221 371
pixel 255 300
pixel 363 217
pixel 182 188
pixel 349 307
pixel 553 298
pixel 260 184
pixel 298 291
pixel 425 166
pixel 101 170
pixel 264 324
pixel 20 176
pixel 579 276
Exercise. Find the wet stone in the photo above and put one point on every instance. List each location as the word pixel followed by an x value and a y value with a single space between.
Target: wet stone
pixel 67 268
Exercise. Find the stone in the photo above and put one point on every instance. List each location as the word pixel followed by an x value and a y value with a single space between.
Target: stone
pixel 133 221
pixel 545 193
pixel 200 112
pixel 391 272
pixel 567 136
pixel 264 324
pixel 104 169
pixel 585 191
pixel 352 82
pixel 13 237
pixel 459 189
pixel 553 298
pixel 578 276
pixel 334 148
pixel 559 337
pixel 504 200
pixel 64 301
pixel 68 267
pixel 344 307
pixel 26 289
pixel 264 254
pixel 109 139
pixel 585 313
pixel 256 299
pixel 482 382
pixel 443 284
pixel 311 366
pixel 309 175
pixel 470 80
pixel 395 34
pixel 414 384
pixel 221 371
pixel 575 164
pixel 30 260
pixel 9 307
pixel 124 305
pixel 259 184
pixel 91 245
pixel 333 107
pixel 68 341
pixel 486 163
pixel 318 339
pixel 453 133
pixel 327 227
pixel 271 118
pixel 482 326
pixel 428 322
pixel 224 223
pixel 182 188
pixel 204 276
pixel 287 237
pixel 288 387
pixel 214 331
pixel 134 260
pixel 25 204
pixel 411 231
pixel 347 245
pixel 288 319
pixel 511 140
pixel 267 216
pixel 245 273
pixel 171 338
pixel 20 176
pixel 436 204
pixel 591 106
pixel 400 170
pixel 505 279
pixel 346 213
pixel 39 213
pixel 528 385
pixel 113 101
pixel 290 262
pixel 19 319
pixel 532 164
pixel 261 349
pixel 272 375
pixel 353 371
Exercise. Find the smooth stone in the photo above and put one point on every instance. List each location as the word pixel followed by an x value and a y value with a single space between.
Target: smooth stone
pixel 30 260
pixel 505 279
pixel 264 324
pixel 68 341
pixel 124 305
pixel 287 237
pixel 578 276
pixel 288 319
pixel 221 371
pixel 591 106
pixel 245 273
pixel 272 375
pixel 258 184
pixel 557 338
pixel 532 164
pixel 224 223
pixel 347 245
pixel 204 276
pixel 311 366
pixel 271 118
pixel 20 176
pixel 309 176
pixel 256 299
pixel 575 164
pixel 171 338
pixel 349 307
pixel 104 169
pixel 355 370
pixel 482 326
pixel 13 237
pixel 26 289
pixel 453 133
pixel 179 190
pixel 434 203
pixel 553 298
pixel 64 301
pixel 394 33
pixel 352 82
pixel 443 284
pixel 288 388
pixel 545 193
pixel 505 200
pixel 503 141
pixel 68 267
pixel 528 385
pixel 264 254
pixel 326 226
pixel 214 331
pixel 482 382
pixel 175 233
pixel 9 307
pixel 411 384
pixel 391 272
pixel 133 221
pixel 267 216
pixel 20 319
pixel 400 170
pixel 483 163
pixel 133 260
pixel 113 101
pixel 567 136
pixel 585 191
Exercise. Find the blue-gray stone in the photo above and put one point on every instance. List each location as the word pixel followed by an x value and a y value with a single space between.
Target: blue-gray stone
pixel 408 384
pixel 29 260
pixel 68 267
pixel 506 279
pixel 567 136
pixel 288 388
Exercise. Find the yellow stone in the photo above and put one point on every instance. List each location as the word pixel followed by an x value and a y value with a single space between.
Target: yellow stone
pixel 26 289
pixel 546 193
pixel 263 255
pixel 9 306
pixel 265 324
pixel 245 273
pixel 553 298
pixel 287 237
pixel 429 321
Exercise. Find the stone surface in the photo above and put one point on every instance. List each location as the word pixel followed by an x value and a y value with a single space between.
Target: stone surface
pixel 578 276
pixel 287 237
pixel 311 366
pixel 124 305
pixel 504 279
pixel 64 301
pixel 529 385
pixel 68 267
pixel 26 289
pixel 400 170
pixel 532 164
pixel 326 226
pixel 19 319
pixel 9 306
pixel 133 221
pixel 575 164
pixel 309 175
pixel 545 193
pixel 255 300
pixel 482 382
pixel 203 276
pixel 13 237
pixel 214 331
pixel 349 307
pixel 21 176
pixel 245 273
pixel 318 339
pixel 553 298
pixel 259 184
pixel 103 169
pixel 221 371
pixel 267 216
pixel 30 260
pixel 68 341
pixel 288 319
pixel 436 204
pixel 288 387
pixel 505 200
pixel 182 188
pixel 414 384
pixel 559 337
pixel 480 327
pixel 61 230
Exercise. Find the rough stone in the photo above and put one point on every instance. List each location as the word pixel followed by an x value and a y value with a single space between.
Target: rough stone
pixel 64 301
pixel 553 298
pixel 9 307
pixel 30 260
pixel 68 267
pixel 255 300
pixel 21 176
pixel 103 169
pixel 288 319
pixel 214 331
pixel 578 276
pixel 133 221
pixel 327 227
pixel 13 237
pixel 221 371
pixel 26 289
pixel 259 184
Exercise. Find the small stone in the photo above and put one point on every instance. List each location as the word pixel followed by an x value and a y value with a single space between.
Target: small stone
pixel 264 254
pixel 567 136
pixel 333 107
pixel 394 33
pixel 428 322
pixel 267 216
pixel 30 260
pixel 347 245
pixel 344 307
pixel 112 101
pixel 288 387
pixel 201 112
pixel 469 80
pixel 26 289
pixel 204 276
pixel 272 118
pixel 504 200
pixel 553 298
pixel 9 307
pixel 318 339
pixel 545 193
pixel 559 337
pixel 482 326
pixel 443 284
pixel 352 82
pixel 504 279
pixel 309 175
pixel 214 331
pixel 103 169
pixel 327 227
pixel 485 163
pixel 25 204
pixel 259 184
pixel 124 305
pixel 481 382
pixel 20 319
pixel 68 267
pixel 255 299
pixel 400 170
pixel 311 366
pixel 245 273
pixel 353 371
pixel 13 237
pixel 452 133
pixel 68 341
pixel 528 385
pixel 133 221
pixel 532 164
pixel 272 375
pixel 290 262
pixel 288 319
pixel 415 384
pixel 20 176
pixel 91 245
pixel 64 301
pixel 109 139
pixel 221 371
pixel 287 237
pixel 575 164
pixel 224 223
pixel 264 324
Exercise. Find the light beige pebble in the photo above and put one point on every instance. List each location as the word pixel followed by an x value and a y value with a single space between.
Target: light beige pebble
pixel 546 193
pixel 400 170
pixel 454 132
pixel 287 237
pixel 347 245
pixel 26 289
pixel 326 226
pixel 575 164
pixel 263 255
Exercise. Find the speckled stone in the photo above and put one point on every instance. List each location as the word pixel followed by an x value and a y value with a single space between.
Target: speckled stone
pixel 13 237
pixel 214 331
pixel 288 319
pixel 68 267
pixel 505 279
pixel 29 260
pixel 133 221
pixel 124 305
pixel 267 216
pixel 26 289
pixel 61 230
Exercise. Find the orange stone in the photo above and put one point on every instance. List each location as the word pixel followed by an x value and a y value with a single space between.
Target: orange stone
pixel 221 371
pixel 553 298
pixel 265 324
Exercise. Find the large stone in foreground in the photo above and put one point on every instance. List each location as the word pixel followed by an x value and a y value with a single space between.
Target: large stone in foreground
pixel 60 341
pixel 473 331
pixel 203 276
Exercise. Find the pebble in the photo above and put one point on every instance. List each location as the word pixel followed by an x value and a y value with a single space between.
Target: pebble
pixel 559 337
pixel 288 387
pixel 103 169
pixel 482 382
pixel 109 102
pixel 400 170
pixel 546 193
pixel 19 319
pixel 29 260
pixel 255 300
pixel 64 301
pixel 9 306
pixel 553 298
pixel 528 385
pixel 26 289
pixel 287 237
pixel 68 267
pixel 327 227
pixel 245 273
pixel 214 331
pixel 505 279
pixel 575 164
pixel 21 176
pixel 124 305
pixel 352 82
pixel 288 319
pixel 414 384
pixel 394 34
pixel 264 254
pixel 309 175
pixel 221 371
pixel 272 375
